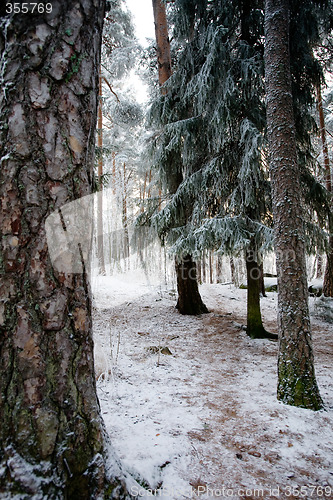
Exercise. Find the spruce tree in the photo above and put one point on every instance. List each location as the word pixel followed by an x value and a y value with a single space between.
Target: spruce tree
pixel 210 134
pixel 189 299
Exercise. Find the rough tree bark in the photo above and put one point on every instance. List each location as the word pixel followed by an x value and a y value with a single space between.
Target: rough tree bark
pixel 51 432
pixel 163 43
pixel 188 301
pixel 296 376
pixel 254 325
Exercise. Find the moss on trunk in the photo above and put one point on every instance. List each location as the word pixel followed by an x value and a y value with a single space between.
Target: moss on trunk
pixel 254 328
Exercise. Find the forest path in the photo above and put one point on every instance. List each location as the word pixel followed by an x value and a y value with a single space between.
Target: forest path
pixel 207 418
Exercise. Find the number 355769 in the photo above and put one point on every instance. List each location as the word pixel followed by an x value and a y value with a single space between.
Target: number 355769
pixel 31 7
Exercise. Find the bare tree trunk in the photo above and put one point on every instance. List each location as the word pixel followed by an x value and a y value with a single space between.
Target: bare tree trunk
pixel 254 325
pixel 189 300
pixel 328 277
pixel 219 269
pixel 319 271
pixel 125 219
pixel 203 266
pixel 144 192
pixel 210 267
pixel 51 430
pixel 232 270
pixel 296 376
pixel 163 43
pixel 113 172
pixel 100 237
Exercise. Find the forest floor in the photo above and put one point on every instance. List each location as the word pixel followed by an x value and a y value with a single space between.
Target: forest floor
pixel 203 420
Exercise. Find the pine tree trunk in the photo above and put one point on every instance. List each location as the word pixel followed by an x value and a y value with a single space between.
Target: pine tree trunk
pixel 163 43
pixel 254 327
pixel 296 376
pixel 328 276
pixel 125 220
pixel 219 269
pixel 189 299
pixel 232 270
pixel 51 431
pixel 203 266
pixel 100 236
pixel 210 267
pixel 319 271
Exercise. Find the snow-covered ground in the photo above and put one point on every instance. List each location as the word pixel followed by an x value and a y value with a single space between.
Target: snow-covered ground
pixel 202 420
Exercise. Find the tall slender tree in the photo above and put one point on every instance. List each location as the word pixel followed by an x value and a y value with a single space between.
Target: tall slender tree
pixel 328 277
pixel 52 439
pixel 189 299
pixel 100 237
pixel 296 376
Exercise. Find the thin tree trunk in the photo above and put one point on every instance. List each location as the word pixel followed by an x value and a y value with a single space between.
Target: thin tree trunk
pixel 218 268
pixel 113 172
pixel 203 266
pixel 262 279
pixel 210 267
pixel 100 236
pixel 328 277
pixel 296 376
pixel 232 270
pixel 327 168
pixel 51 430
pixel 144 192
pixel 189 300
pixel 149 185
pixel 319 271
pixel 254 325
pixel 125 219
pixel 163 43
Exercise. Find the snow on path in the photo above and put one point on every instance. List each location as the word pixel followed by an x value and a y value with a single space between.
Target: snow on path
pixel 205 421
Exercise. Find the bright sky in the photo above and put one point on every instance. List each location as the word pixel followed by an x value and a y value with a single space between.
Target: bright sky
pixel 142 11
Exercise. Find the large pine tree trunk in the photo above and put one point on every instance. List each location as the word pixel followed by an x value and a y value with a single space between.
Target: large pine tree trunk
pixel 296 376
pixel 51 431
pixel 189 299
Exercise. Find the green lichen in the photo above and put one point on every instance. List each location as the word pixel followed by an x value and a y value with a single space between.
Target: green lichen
pixel 74 63
pixel 298 389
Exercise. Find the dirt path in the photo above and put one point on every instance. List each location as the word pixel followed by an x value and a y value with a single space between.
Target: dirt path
pixel 249 445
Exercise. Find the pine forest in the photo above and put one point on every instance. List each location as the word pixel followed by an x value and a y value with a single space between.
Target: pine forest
pixel 166 249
